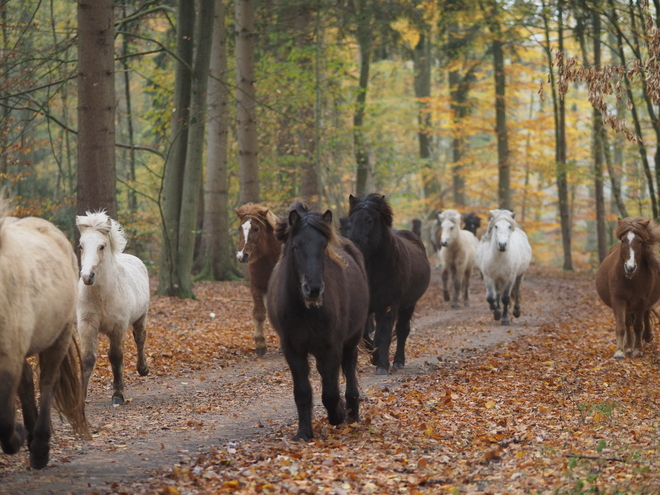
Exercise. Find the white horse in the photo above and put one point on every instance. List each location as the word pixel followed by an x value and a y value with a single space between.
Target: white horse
pixel 113 295
pixel 457 257
pixel 503 255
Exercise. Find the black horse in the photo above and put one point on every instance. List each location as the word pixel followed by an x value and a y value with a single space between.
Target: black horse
pixel 398 272
pixel 471 222
pixel 317 300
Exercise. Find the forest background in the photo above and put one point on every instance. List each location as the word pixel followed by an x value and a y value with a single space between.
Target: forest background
pixel 434 104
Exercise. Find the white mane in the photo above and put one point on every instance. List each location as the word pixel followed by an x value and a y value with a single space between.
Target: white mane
pixel 496 216
pixel 102 223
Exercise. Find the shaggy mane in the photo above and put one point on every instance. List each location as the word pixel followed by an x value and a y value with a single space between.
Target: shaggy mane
pixel 283 231
pixel 451 215
pixel 261 214
pixel 99 222
pixel 496 216
pixel 375 202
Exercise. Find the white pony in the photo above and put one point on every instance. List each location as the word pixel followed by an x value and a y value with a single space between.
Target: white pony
pixel 457 256
pixel 113 295
pixel 503 255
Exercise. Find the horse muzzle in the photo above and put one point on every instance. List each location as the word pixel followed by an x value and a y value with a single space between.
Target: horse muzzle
pixel 242 257
pixel 313 296
pixel 87 278
pixel 444 243
pixel 629 271
pixel 501 246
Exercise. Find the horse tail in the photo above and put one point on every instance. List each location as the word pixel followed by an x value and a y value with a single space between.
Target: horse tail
pixel 68 395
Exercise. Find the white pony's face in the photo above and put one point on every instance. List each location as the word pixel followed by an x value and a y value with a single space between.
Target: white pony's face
pixel 502 231
pixel 449 232
pixel 93 245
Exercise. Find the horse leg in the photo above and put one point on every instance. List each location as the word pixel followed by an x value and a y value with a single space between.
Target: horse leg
pixel 638 327
pixel 28 404
pixel 621 329
pixel 368 331
pixel 516 295
pixel 49 364
pixel 506 300
pixel 491 297
pixel 648 329
pixel 402 332
pixel 382 340
pixel 116 358
pixel 89 342
pixel 302 393
pixel 467 275
pixel 140 336
pixel 457 288
pixel 259 319
pixel 328 365
pixel 349 365
pixel 12 434
pixel 445 282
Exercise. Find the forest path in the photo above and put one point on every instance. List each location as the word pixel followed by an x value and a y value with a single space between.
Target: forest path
pixel 175 418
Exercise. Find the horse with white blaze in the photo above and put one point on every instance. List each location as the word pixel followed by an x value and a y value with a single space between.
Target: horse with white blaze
pixel 113 295
pixel 503 255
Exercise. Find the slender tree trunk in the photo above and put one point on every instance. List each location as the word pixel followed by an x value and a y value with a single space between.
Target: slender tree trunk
pixel 192 178
pixel 364 42
pixel 96 107
pixel 246 105
pixel 125 49
pixel 215 235
pixel 422 72
pixel 175 163
pixel 598 131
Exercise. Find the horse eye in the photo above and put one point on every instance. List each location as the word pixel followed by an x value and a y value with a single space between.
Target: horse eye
pixel 256 229
pixel 101 248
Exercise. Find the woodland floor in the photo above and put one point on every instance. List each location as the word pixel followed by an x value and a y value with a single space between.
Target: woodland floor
pixel 536 407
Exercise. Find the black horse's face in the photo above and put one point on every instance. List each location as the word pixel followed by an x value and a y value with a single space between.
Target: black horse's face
pixel 308 247
pixel 366 230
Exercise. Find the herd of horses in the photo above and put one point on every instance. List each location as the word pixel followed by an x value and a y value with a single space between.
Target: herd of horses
pixel 324 291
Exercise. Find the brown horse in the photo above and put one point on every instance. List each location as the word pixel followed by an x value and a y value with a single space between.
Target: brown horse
pixel 258 247
pixel 628 281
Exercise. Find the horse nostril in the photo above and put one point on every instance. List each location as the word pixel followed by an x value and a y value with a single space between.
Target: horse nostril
pixel 501 247
pixel 445 243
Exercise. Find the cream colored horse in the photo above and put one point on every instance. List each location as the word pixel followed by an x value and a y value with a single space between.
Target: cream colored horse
pixel 457 257
pixel 114 294
pixel 38 275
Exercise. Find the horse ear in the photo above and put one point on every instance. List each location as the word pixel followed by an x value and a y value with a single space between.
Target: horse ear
pixel 327 217
pixel 380 198
pixel 294 217
pixel 513 214
pixel 352 200
pixel 493 213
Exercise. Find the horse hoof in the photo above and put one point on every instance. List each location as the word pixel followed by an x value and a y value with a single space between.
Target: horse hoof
pixel 397 366
pixel 637 353
pixel 39 456
pixel 505 321
pixel 447 298
pixel 117 400
pixel 260 351
pixel 455 306
pixel 648 337
pixel 619 354
pixel 381 371
pixel 303 436
pixel 516 313
pixel 466 304
pixel 497 315
pixel 143 371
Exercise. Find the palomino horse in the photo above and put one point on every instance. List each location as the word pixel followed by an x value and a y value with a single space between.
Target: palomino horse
pixel 457 257
pixel 114 294
pixel 628 281
pixel 38 276
pixel 258 247
pixel 318 297
pixel 503 255
pixel 398 272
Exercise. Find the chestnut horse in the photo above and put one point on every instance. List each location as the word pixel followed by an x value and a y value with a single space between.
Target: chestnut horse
pixel 258 247
pixel 628 281
pixel 318 298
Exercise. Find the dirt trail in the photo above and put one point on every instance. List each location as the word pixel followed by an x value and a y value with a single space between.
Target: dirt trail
pixel 175 419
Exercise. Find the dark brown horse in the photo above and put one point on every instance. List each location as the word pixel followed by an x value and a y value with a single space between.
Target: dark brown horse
pixel 398 272
pixel 628 281
pixel 318 299
pixel 258 247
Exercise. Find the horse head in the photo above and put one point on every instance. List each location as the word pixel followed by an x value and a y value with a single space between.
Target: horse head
pixel 370 218
pixel 501 224
pixel 636 234
pixel 256 220
pixel 450 224
pixel 98 234
pixel 307 237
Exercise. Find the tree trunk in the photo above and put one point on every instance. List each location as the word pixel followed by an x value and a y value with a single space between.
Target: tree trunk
pixel 246 105
pixel 169 283
pixel 192 177
pixel 96 107
pixel 422 72
pixel 217 263
pixel 364 42
pixel 130 175
pixel 598 131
